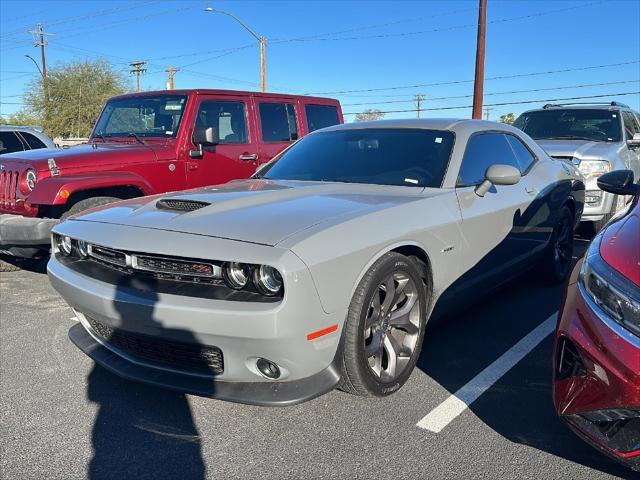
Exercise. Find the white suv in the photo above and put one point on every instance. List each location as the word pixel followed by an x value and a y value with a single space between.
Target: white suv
pixel 596 138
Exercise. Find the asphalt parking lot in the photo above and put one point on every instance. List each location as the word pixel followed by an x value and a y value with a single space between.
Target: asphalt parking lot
pixel 63 417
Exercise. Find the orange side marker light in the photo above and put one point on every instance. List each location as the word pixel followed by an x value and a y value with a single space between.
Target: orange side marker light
pixel 320 333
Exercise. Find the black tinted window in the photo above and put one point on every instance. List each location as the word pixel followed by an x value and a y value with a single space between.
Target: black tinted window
pixel 228 117
pixel 9 143
pixel 524 157
pixel 32 140
pixel 483 151
pixel 383 156
pixel 320 116
pixel 278 122
pixel 571 124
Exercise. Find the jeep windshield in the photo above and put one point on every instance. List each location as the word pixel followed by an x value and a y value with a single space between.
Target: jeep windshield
pixel 597 125
pixel 382 156
pixel 144 116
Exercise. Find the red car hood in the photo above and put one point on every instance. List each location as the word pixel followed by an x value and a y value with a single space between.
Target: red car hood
pixel 620 246
pixel 86 156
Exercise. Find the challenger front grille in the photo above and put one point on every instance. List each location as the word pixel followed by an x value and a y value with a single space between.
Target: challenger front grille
pixel 192 357
pixel 180 205
pixel 8 188
pixel 162 267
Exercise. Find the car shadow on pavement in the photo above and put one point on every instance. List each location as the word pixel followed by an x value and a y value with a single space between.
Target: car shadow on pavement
pixel 141 431
pixel 519 406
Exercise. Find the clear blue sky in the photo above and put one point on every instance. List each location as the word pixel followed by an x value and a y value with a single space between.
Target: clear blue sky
pixel 317 47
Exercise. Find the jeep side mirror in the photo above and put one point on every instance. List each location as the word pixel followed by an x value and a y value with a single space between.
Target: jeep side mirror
pixel 498 175
pixel 619 182
pixel 203 137
pixel 635 141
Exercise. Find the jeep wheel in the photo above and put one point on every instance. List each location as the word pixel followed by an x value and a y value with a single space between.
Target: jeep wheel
pixel 7 266
pixel 384 328
pixel 88 203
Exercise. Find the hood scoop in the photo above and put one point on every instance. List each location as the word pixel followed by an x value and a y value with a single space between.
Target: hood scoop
pixel 180 205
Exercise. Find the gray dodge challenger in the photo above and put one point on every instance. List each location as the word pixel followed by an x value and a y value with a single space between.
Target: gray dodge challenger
pixel 323 269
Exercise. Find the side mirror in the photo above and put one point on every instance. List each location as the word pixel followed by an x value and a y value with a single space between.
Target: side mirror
pixel 619 182
pixel 203 137
pixel 635 141
pixel 498 175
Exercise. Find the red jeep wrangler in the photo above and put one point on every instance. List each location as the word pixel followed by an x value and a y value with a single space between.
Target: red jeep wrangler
pixel 149 143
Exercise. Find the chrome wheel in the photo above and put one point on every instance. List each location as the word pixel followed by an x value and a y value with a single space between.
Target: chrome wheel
pixel 392 326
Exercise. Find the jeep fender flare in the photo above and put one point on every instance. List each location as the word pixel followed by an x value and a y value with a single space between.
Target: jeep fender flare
pixel 57 190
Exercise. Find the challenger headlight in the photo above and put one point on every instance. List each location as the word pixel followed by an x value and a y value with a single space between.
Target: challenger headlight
pixel 236 274
pixel 594 168
pixel 616 296
pixel 83 248
pixel 267 280
pixel 30 179
pixel 64 244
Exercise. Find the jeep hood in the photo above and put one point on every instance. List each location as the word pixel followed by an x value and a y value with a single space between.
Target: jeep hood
pixel 257 211
pixel 86 156
pixel 582 149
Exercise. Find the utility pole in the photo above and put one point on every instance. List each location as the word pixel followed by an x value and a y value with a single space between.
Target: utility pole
pixel 136 68
pixel 419 98
pixel 171 72
pixel 479 79
pixel 263 63
pixel 39 40
pixel 487 110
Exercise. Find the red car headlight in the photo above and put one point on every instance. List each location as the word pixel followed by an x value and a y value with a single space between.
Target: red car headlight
pixel 616 296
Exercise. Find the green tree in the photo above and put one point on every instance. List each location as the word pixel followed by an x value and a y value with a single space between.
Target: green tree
pixel 73 96
pixel 509 118
pixel 21 117
pixel 368 115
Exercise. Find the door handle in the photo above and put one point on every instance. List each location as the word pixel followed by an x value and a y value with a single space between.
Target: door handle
pixel 247 157
pixel 531 190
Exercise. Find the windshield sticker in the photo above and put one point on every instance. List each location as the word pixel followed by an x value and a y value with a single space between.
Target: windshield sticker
pixel 438 140
pixel 411 180
pixel 169 132
pixel 173 106
pixel 613 115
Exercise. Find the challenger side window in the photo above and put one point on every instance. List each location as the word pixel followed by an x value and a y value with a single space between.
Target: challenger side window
pixel 484 150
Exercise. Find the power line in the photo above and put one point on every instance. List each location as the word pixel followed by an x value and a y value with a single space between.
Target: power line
pixel 454 82
pixel 522 102
pixel 564 87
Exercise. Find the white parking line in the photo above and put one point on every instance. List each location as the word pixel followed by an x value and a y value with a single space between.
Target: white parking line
pixel 457 403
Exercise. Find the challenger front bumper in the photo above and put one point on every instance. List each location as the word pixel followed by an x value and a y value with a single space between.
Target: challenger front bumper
pixel 25 236
pixel 243 331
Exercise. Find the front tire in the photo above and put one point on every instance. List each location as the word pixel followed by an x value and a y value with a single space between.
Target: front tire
pixel 86 204
pixel 384 327
pixel 558 257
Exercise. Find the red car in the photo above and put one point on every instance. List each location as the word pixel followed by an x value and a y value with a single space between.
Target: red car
pixel 596 384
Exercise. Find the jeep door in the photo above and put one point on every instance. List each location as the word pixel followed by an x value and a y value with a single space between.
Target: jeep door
pixel 503 230
pixel 279 125
pixel 236 155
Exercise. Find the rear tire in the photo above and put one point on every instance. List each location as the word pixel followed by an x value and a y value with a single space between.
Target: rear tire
pixel 558 257
pixel 86 204
pixel 7 266
pixel 384 328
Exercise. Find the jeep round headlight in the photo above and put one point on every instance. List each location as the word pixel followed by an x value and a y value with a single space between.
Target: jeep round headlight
pixel 64 245
pixel 30 179
pixel 268 280
pixel 236 274
pixel 83 248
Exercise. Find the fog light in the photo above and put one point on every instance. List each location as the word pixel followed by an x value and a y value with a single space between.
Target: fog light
pixel 267 368
pixel 593 197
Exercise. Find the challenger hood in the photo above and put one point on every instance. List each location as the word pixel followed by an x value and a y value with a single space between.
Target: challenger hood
pixel 257 211
pixel 582 149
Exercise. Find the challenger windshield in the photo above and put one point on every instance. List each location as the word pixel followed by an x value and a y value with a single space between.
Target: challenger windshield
pixel 383 156
pixel 144 116
pixel 571 124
